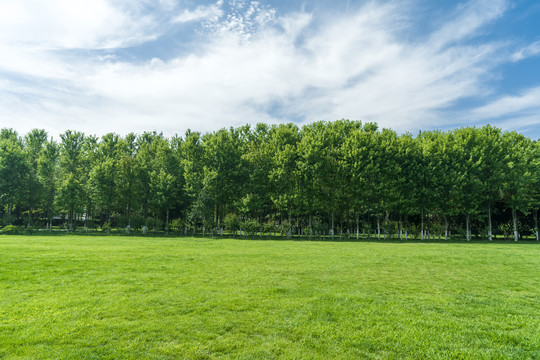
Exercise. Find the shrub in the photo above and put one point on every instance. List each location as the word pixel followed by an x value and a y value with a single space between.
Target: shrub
pixel 106 227
pixel 232 222
pixel 251 227
pixel 154 224
pixel 177 225
pixel 11 229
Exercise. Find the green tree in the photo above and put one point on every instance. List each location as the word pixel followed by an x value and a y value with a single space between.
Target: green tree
pixel 13 170
pixel 520 172
pixel 71 190
pixel 165 180
pixel 284 174
pixel 126 180
pixel 104 174
pixel 34 143
pixel 48 176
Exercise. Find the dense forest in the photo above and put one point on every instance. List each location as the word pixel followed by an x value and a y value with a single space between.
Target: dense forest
pixel 325 179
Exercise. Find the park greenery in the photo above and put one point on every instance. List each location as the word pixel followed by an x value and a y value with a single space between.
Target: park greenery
pixel 325 179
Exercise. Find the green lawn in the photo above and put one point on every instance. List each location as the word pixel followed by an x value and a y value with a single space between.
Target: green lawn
pixel 76 297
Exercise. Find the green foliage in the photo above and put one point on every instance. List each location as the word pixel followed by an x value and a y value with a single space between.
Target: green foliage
pixel 177 225
pixel 331 173
pixel 232 222
pixel 11 229
pixel 106 227
pixel 251 227
pixel 154 224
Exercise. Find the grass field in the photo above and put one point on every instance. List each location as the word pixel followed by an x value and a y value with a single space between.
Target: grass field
pixel 76 297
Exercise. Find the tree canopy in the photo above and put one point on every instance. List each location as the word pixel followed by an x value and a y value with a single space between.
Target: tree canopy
pixel 341 178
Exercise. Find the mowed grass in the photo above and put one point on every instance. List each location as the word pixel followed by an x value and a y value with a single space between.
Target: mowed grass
pixel 162 298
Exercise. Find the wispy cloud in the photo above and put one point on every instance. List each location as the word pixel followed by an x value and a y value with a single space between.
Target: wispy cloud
pixel 531 50
pixel 523 103
pixel 468 19
pixel 205 12
pixel 512 112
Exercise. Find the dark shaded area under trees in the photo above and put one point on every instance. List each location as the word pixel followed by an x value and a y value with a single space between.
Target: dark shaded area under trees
pixel 327 179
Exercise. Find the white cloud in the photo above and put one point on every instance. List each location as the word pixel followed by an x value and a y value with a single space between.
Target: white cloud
pixel 252 65
pixel 469 19
pixel 71 24
pixel 209 12
pixel 531 50
pixel 527 101
pixel 244 19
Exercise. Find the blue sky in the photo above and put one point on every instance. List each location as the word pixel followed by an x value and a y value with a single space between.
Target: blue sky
pixel 168 65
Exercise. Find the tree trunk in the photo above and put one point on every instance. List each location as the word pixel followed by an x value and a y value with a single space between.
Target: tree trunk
pixel 386 221
pixel 445 228
pixel 468 226
pixel 535 214
pixel 332 227
pixel 310 227
pixel 378 228
pixel 514 219
pixel 490 230
pixel 357 226
pixel 422 225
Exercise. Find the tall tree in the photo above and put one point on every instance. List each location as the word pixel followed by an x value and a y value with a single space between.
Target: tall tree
pixel 13 170
pixel 34 143
pixel 48 175
pixel 71 190
pixel 520 175
pixel 104 175
pixel 127 176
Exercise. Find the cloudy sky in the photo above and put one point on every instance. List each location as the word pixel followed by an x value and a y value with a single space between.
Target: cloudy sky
pixel 122 66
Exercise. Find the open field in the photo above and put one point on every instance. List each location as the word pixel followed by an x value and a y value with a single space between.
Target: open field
pixel 74 297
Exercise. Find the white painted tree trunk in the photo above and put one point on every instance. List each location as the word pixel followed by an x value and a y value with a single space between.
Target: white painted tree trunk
pixel 468 221
pixel 332 229
pixel 357 227
pixel 422 225
pixel 310 228
pixel 378 228
pixel 445 228
pixel 490 230
pixel 514 219
pixel 535 214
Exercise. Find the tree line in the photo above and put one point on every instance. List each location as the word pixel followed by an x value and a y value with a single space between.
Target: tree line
pixel 326 179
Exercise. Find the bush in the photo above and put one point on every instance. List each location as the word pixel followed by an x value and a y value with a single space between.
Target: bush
pixel 137 221
pixel 106 227
pixel 232 222
pixel 11 229
pixel 177 225
pixel 269 227
pixel 154 224
pixel 285 228
pixel 251 227
pixel 7 220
